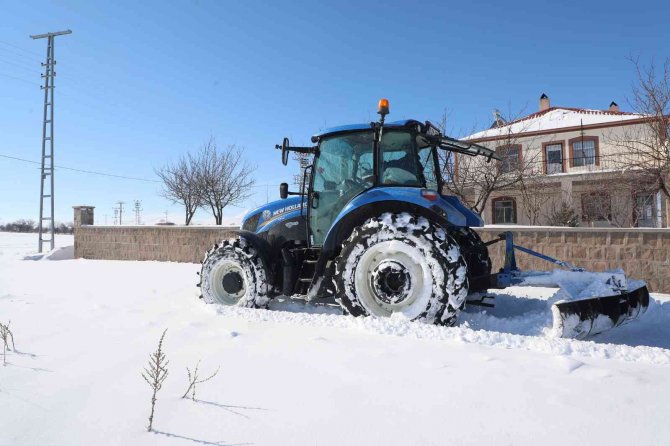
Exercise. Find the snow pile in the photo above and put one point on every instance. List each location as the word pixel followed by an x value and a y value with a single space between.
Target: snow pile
pixel 303 374
pixel 62 253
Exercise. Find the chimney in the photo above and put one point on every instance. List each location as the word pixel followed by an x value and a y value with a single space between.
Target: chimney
pixel 614 107
pixel 544 102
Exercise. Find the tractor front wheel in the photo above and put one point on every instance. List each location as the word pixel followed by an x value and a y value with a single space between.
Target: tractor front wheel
pixel 400 263
pixel 234 274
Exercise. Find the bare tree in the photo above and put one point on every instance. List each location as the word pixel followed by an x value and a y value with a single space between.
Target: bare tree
pixel 224 177
pixel 180 184
pixel 536 191
pixel 474 181
pixel 155 375
pixel 561 214
pixel 645 148
pixel 194 380
pixel 612 198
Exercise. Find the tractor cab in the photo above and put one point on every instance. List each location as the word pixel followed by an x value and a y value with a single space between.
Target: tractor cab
pixel 349 161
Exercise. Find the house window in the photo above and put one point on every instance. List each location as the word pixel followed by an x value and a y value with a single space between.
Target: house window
pixel 511 158
pixel 645 210
pixel 584 151
pixel 504 210
pixel 596 206
pixel 553 153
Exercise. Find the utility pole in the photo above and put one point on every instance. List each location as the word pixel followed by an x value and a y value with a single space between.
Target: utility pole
pixel 120 211
pixel 138 209
pixel 48 135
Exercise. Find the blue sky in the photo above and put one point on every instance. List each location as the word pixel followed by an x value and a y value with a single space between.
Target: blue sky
pixel 140 83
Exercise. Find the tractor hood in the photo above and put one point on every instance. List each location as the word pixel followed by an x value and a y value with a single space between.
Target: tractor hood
pixel 271 213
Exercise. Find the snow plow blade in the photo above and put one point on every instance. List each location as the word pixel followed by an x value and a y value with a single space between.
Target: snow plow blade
pixel 582 318
pixel 587 302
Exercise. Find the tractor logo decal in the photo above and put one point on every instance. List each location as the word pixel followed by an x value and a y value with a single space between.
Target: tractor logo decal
pixel 269 216
pixel 286 209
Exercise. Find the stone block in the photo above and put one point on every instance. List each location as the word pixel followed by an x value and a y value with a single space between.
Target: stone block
pixel 645 253
pixel 570 238
pixel 598 266
pixel 651 240
pixel 662 255
pixel 595 253
pixel 617 238
pixel 578 252
pixel 627 252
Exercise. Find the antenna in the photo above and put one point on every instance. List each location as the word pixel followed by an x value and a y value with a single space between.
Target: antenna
pixel 47 169
pixel 498 120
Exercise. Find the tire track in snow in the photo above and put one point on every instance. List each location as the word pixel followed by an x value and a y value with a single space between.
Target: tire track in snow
pixel 400 326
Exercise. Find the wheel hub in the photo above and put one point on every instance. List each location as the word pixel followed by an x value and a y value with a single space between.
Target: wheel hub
pixel 232 282
pixel 229 283
pixel 391 282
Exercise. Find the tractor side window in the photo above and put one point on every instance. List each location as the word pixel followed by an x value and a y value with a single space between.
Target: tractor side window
pixel 428 167
pixel 399 165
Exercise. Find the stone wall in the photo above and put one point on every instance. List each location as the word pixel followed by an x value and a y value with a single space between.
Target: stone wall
pixel 641 253
pixel 164 243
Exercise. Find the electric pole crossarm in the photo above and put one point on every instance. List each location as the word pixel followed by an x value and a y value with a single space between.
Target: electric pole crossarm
pixel 57 33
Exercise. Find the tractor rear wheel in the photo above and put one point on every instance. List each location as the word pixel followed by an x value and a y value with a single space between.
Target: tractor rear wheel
pixel 474 251
pixel 400 263
pixel 234 274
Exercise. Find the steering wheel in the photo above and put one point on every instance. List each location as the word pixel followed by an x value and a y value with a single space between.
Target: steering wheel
pixel 354 182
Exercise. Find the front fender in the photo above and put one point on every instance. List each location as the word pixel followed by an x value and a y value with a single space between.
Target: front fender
pixel 263 248
pixel 393 199
pixel 374 203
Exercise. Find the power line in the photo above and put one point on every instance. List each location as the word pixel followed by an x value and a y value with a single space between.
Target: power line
pixel 20 79
pixel 93 172
pixel 19 62
pixel 34 54
pixel 31 70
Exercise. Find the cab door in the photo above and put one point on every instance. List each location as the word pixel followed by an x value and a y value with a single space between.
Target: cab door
pixel 342 170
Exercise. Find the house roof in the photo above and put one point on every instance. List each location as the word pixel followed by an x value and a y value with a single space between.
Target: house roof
pixel 555 118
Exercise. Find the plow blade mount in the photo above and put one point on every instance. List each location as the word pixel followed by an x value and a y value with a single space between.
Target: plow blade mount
pixel 586 317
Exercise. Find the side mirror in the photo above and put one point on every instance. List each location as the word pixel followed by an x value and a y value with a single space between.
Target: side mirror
pixel 283 187
pixel 284 151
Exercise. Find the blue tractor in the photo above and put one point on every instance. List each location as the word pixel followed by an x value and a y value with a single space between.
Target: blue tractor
pixel 372 228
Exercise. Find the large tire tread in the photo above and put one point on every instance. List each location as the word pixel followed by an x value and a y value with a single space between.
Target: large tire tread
pixel 448 267
pixel 256 272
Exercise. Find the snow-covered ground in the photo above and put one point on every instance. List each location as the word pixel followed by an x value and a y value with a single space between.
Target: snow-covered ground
pixel 305 375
